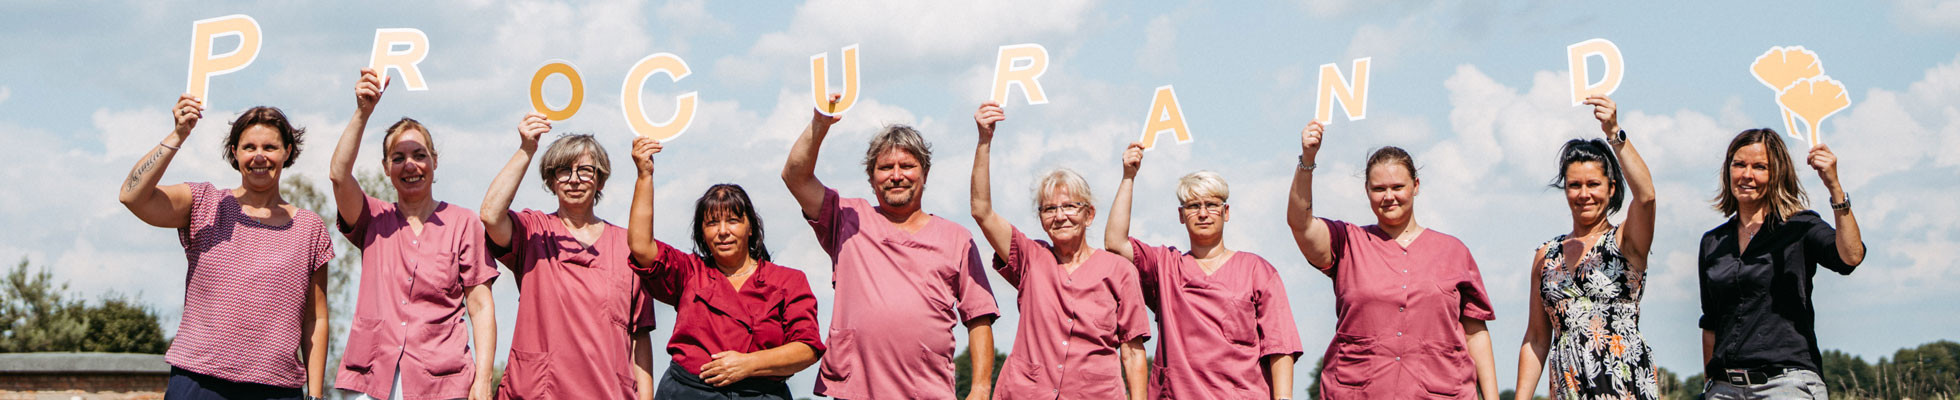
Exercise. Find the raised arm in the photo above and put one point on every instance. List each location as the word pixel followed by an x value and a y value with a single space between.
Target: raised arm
pixel 348 197
pixel 800 171
pixel 1850 246
pixel 496 203
pixel 995 228
pixel 1116 233
pixel 639 229
pixel 1637 233
pixel 1310 233
pixel 162 206
pixel 1537 335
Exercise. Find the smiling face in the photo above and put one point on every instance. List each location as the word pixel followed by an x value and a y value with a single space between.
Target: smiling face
pixel 898 177
pixel 1588 192
pixel 410 163
pixel 1749 173
pixel 1064 216
pixel 727 234
pixel 1392 193
pixel 261 157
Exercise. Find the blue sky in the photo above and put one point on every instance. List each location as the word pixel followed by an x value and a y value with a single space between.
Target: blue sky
pixel 1476 92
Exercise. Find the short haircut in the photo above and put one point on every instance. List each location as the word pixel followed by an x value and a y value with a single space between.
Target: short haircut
pixel 902 137
pixel 1593 150
pixel 1065 180
pixel 1386 155
pixel 1201 184
pixel 565 151
pixel 395 131
pixel 290 136
pixel 1784 193
pixel 727 197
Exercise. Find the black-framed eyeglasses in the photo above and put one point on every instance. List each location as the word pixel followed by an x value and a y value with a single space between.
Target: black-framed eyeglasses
pixel 580 173
pixel 1069 209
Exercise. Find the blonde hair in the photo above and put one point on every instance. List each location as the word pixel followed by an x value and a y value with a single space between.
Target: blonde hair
pixel 1065 180
pixel 1784 194
pixel 565 151
pixel 1202 184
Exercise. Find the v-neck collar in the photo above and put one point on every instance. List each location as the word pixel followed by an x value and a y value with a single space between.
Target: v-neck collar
pixel 1199 264
pixel 401 217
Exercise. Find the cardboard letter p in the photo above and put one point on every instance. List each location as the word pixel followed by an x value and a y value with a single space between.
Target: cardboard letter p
pixel 205 65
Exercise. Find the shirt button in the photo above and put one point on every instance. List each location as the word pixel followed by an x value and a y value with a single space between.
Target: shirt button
pixel 1405 286
pixel 1398 358
pixel 1398 334
pixel 1401 309
pixel 1405 271
pixel 404 323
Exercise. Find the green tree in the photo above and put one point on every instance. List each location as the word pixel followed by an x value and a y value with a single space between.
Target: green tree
pixel 121 325
pixel 963 371
pixel 38 315
pixel 343 273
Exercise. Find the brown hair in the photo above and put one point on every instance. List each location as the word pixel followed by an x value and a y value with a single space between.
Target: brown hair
pixel 388 139
pixel 1389 154
pixel 902 137
pixel 270 117
pixel 1784 194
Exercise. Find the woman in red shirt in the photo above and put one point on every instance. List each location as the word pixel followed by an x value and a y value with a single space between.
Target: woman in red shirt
pixel 743 324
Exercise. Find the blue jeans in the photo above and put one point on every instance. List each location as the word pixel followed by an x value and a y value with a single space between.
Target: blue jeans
pixel 1798 384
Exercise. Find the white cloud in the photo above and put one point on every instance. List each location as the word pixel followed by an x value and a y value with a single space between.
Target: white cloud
pixel 5 93
pixel 904 37
pixel 1158 55
pixel 1935 14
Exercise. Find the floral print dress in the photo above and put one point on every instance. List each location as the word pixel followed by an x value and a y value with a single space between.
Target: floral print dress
pixel 1594 306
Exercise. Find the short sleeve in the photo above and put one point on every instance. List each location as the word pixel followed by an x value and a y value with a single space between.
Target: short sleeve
pixel 1278 335
pixel 356 230
pixel 976 296
pixel 204 212
pixel 321 242
pixel 825 223
pixel 523 225
pixel 473 260
pixel 800 311
pixel 642 310
pixel 1339 235
pixel 1820 246
pixel 1016 262
pixel 1132 317
pixel 1149 259
pixel 1475 302
pixel 667 277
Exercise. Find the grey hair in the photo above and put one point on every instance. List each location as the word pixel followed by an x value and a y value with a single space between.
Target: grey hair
pixel 1202 184
pixel 1066 180
pixel 565 151
pixel 902 137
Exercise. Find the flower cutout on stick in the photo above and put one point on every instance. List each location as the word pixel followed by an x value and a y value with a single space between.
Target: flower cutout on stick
pixel 1814 99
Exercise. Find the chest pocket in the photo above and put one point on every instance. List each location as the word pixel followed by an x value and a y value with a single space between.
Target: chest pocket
pixel 435 276
pixel 1233 313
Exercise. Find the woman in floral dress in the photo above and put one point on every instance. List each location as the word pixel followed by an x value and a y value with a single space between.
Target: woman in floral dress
pixel 1586 285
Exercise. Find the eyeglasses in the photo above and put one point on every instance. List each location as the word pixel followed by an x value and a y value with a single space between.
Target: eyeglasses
pixel 1207 206
pixel 1067 209
pixel 582 173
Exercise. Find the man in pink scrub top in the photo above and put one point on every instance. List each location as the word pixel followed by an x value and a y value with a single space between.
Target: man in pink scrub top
pixel 1225 328
pixel 903 278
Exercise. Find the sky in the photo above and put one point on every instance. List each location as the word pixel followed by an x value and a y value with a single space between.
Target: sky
pixel 1477 92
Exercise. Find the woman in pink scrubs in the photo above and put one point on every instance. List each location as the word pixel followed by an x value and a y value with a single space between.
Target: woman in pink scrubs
pixel 744 324
pixel 1079 304
pixel 1409 301
pixel 1225 330
pixel 582 316
pixel 422 260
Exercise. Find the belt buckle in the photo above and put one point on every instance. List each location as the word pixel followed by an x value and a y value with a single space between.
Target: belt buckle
pixel 1739 377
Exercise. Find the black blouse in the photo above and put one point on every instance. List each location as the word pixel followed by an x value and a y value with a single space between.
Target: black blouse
pixel 1757 300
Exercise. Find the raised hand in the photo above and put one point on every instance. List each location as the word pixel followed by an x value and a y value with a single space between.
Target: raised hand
pixel 367 91
pixel 1606 112
pixel 823 122
pixel 989 115
pixel 533 126
pixel 187 112
pixel 1310 141
pixel 643 150
pixel 1132 159
pixel 1825 162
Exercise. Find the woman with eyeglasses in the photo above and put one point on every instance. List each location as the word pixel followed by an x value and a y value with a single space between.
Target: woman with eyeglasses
pixel 1082 312
pixel 1409 302
pixel 582 315
pixel 1225 328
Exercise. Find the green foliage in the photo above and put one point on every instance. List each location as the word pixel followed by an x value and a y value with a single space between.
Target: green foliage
pixel 963 371
pixel 343 273
pixel 1931 370
pixel 37 315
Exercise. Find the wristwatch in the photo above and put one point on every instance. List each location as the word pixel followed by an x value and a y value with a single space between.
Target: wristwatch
pixel 1617 137
pixel 1845 206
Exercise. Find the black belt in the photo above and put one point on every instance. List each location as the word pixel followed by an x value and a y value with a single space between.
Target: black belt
pixel 1757 376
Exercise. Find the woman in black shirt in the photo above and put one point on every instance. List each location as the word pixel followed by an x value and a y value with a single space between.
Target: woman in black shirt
pixel 1758 325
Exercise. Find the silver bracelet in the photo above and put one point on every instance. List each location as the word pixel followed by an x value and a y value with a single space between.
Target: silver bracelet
pixel 168 146
pixel 1304 166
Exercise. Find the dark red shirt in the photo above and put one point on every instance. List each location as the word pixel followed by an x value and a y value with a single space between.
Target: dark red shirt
pixel 773 308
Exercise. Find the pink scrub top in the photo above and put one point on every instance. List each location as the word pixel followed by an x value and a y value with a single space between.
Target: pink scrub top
pixel 1214 331
pixel 1399 332
pixel 898 297
pixel 578 308
pixel 409 314
pixel 1072 323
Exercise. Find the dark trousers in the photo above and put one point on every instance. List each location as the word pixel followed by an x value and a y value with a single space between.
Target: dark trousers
pixel 677 384
pixel 187 385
